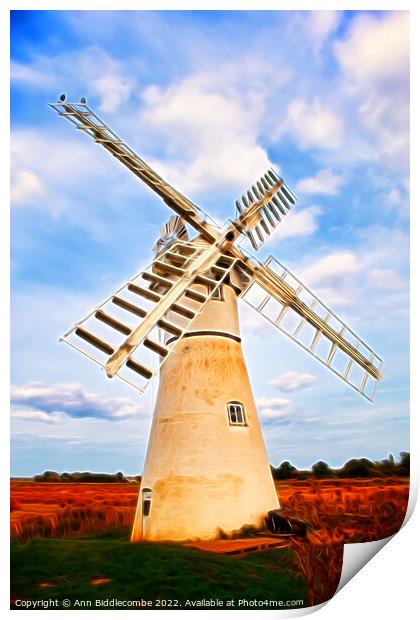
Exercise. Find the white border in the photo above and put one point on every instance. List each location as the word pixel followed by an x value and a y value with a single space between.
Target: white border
pixel 387 586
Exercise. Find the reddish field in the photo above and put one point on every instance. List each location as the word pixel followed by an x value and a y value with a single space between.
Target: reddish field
pixel 342 510
pixel 337 511
pixel 347 510
pixel 69 509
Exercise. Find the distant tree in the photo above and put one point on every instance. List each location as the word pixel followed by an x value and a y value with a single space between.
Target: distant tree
pixel 66 477
pixel 322 470
pixel 355 468
pixel 303 474
pixel 405 459
pixel 388 466
pixel 83 476
pixel 88 476
pixel 367 462
pixel 285 471
pixel 77 476
pixel 403 467
pixel 50 476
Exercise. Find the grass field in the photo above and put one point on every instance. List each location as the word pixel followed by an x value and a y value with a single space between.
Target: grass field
pixel 71 541
pixel 166 573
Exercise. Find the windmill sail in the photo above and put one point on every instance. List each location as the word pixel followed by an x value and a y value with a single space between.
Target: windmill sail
pixel 172 230
pixel 263 207
pixel 276 294
pixel 85 119
pixel 178 274
pixel 122 333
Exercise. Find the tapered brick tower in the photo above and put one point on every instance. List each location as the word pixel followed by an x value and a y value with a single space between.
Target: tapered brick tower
pixel 206 466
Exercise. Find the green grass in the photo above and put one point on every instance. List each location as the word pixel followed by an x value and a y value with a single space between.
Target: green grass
pixel 148 570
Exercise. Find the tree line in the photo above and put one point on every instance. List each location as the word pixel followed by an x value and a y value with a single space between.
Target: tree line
pixel 354 468
pixel 84 476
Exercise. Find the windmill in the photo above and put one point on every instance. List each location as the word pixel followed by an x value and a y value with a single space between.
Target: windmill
pixel 206 467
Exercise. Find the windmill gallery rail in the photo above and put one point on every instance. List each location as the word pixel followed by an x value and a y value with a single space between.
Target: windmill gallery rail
pixel 181 311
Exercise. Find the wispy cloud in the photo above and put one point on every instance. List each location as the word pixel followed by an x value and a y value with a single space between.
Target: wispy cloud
pixel 114 90
pixel 71 400
pixel 366 284
pixel 324 182
pixel 30 75
pixel 331 267
pixel 293 381
pixel 27 415
pixel 278 408
pixel 44 169
pixel 320 26
pixel 217 147
pixel 313 124
pixel 380 80
pixel 25 186
pixel 387 35
pixel 299 223
pixel 387 280
pixel 90 68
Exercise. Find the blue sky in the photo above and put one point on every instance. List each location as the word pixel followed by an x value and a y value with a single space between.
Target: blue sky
pixel 210 99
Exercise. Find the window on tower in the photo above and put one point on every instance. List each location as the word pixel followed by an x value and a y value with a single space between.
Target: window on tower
pixel 236 414
pixel 147 501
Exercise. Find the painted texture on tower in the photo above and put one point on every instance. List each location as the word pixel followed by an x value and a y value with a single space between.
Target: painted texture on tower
pixel 205 474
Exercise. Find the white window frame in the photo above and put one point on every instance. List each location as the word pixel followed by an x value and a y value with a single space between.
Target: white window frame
pixel 236 414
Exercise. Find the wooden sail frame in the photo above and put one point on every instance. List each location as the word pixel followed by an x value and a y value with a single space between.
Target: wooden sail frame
pixel 124 327
pixel 253 217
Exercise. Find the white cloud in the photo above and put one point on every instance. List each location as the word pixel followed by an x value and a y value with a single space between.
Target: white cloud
pixel 274 407
pixel 313 125
pixel 252 323
pixel 292 381
pixel 41 161
pixel 394 197
pixel 331 267
pixel 363 111
pixel 386 280
pixel 113 90
pixel 29 75
pixel 300 223
pixel 377 49
pixel 320 25
pixel 25 186
pixel 333 297
pixel 210 125
pixel 324 182
pixel 52 173
pixel 91 69
pixel 71 400
pixel 374 59
pixel 37 416
pixel 369 282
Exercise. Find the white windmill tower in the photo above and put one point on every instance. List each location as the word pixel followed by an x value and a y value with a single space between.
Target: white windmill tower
pixel 206 466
